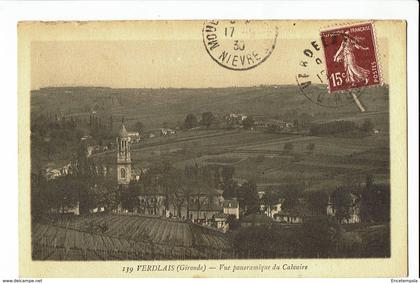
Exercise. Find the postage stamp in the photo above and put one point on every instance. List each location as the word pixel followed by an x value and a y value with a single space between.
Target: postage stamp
pixel 351 57
pixel 311 80
pixel 239 45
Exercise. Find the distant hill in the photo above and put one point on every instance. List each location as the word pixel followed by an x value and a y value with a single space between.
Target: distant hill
pixel 155 106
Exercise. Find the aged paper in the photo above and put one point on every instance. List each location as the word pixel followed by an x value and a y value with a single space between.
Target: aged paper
pixel 212 149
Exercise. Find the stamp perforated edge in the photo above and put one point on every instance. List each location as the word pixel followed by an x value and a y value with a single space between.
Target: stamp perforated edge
pixel 375 45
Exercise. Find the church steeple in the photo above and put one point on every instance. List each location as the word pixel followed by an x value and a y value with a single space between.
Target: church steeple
pixel 123 156
pixel 123 132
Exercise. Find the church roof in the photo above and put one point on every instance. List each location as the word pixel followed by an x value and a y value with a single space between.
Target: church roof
pixel 123 132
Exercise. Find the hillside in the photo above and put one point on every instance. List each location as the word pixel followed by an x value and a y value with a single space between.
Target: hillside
pixel 155 106
pixel 125 237
pixel 257 155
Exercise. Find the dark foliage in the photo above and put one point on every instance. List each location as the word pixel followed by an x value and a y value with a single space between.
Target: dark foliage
pixel 190 121
pixel 342 202
pixel 207 119
pixel 248 122
pixel 341 128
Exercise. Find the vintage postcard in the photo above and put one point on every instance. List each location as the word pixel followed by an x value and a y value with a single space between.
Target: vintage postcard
pixel 218 148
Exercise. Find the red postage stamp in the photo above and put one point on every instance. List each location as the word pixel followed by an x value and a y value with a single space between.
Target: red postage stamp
pixel 350 57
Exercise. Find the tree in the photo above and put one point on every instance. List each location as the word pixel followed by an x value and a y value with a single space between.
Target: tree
pixel 315 237
pixel 291 198
pixel 375 202
pixel 207 119
pixel 228 185
pixel 267 241
pixel 272 129
pixel 233 222
pixel 39 197
pixel 187 192
pixel 288 147
pixel 369 180
pixel 229 189
pixel 317 201
pixel 269 199
pixel 342 202
pixel 248 195
pixel 367 126
pixel 296 124
pixel 344 244
pixel 334 128
pixel 129 199
pixel 227 173
pixel 178 201
pixel 138 126
pixel 190 121
pixel 248 122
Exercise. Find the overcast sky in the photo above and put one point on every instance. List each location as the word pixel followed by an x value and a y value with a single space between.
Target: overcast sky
pixel 153 55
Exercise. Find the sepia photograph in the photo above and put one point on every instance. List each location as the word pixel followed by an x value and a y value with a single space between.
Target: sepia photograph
pixel 188 169
pixel 190 141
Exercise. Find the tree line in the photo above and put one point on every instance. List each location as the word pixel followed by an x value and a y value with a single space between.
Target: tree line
pixel 209 120
pixel 342 128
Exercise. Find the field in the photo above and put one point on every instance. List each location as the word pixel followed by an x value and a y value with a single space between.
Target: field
pixel 256 154
pixel 260 156
pixel 155 106
pixel 133 237
pixel 125 237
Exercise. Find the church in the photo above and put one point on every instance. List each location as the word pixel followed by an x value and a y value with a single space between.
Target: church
pixel 118 168
pixel 123 157
pixel 116 165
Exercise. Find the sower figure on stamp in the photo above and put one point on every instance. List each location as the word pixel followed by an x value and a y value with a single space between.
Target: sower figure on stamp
pixel 345 53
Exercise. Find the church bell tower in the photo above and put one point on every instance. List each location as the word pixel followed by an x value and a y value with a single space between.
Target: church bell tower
pixel 123 157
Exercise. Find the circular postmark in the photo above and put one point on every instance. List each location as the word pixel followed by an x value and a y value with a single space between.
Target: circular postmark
pixel 239 45
pixel 312 80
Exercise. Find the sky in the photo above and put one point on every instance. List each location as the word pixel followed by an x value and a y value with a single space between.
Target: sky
pixel 155 55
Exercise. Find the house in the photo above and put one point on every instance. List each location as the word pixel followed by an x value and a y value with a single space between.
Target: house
pixel 294 215
pixel 65 170
pixel 90 150
pixel 256 219
pixel 51 173
pixel 133 137
pixel 231 207
pixel 167 132
pixel 204 213
pixel 97 210
pixel 271 210
pixel 236 116
pixel 67 209
pixel 218 195
pixel 220 220
pixel 290 217
pixel 137 173
pixel 261 194
pixel 354 213
pixel 151 204
pixel 152 201
pixel 86 137
pixel 235 119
